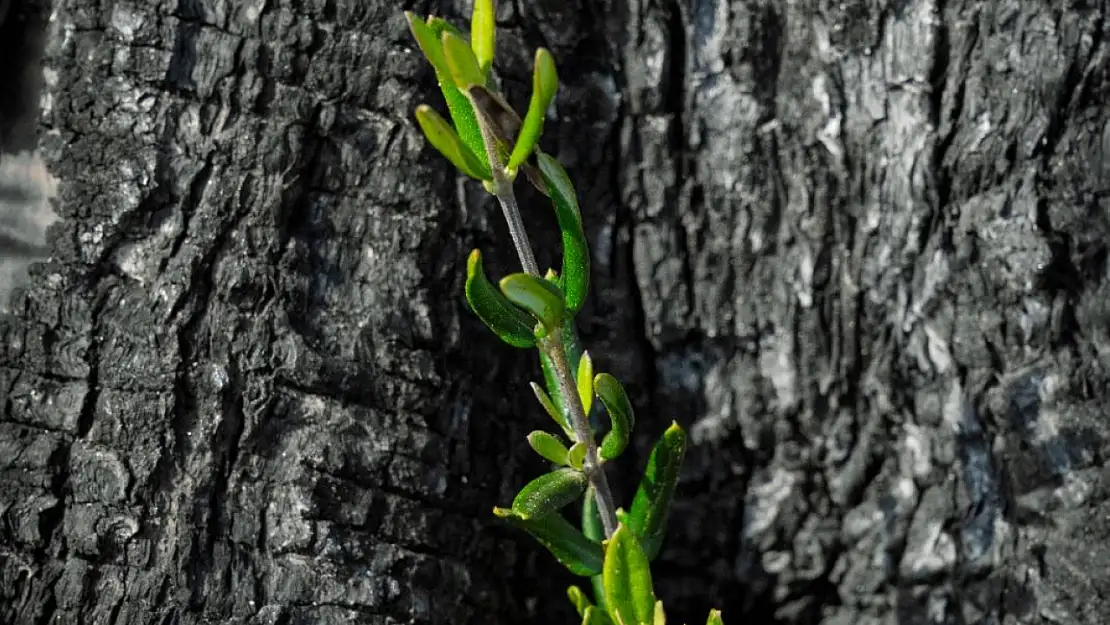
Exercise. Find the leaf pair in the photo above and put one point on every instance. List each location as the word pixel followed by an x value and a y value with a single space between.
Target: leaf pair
pixel 537 510
pixel 550 302
pixel 512 311
pixel 612 396
pixel 534 509
pixel 444 47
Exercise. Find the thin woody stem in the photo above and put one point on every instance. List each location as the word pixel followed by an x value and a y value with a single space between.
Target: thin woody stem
pixel 590 465
pixel 516 228
pixel 502 188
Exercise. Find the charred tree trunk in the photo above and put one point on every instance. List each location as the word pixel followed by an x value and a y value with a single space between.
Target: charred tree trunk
pixel 859 249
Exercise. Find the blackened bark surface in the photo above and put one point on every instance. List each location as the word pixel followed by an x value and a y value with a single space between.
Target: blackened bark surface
pixel 870 242
pixel 239 391
pixel 859 248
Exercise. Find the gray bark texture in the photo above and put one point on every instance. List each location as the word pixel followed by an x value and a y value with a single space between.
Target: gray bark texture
pixel 858 248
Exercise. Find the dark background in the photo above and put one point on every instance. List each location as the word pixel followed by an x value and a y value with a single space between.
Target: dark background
pixel 857 248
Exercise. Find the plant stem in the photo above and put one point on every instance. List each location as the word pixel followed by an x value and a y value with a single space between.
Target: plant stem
pixel 553 345
pixel 502 188
pixel 516 226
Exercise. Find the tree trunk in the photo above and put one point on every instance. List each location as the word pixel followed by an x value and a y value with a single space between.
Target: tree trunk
pixel 859 249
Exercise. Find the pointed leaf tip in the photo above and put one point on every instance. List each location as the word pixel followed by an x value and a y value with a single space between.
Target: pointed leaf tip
pixel 483 34
pixel 627 579
pixel 647 517
pixel 545 79
pixel 429 44
pixel 444 139
pixel 440 26
pixel 545 83
pixel 578 599
pixel 461 60
pixel 550 409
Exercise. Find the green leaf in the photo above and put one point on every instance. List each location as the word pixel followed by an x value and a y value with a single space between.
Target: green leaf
pixel 427 36
pixel 576 254
pixel 483 34
pixel 585 381
pixel 512 324
pixel 443 137
pixel 621 417
pixel 576 455
pixel 548 446
pixel 545 82
pixel 461 61
pixel 496 116
pixel 573 349
pixel 440 26
pixel 647 518
pixel 593 529
pixel 429 43
pixel 598 584
pixel 462 113
pixel 578 599
pixel 537 296
pixel 594 616
pixel 579 554
pixel 549 493
pixel 627 580
pixel 714 618
pixel 551 410
pixel 591 518
pixel 660 616
pixel 622 516
pixel 466 123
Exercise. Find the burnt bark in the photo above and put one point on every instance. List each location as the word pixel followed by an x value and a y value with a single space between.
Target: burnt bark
pixel 857 248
